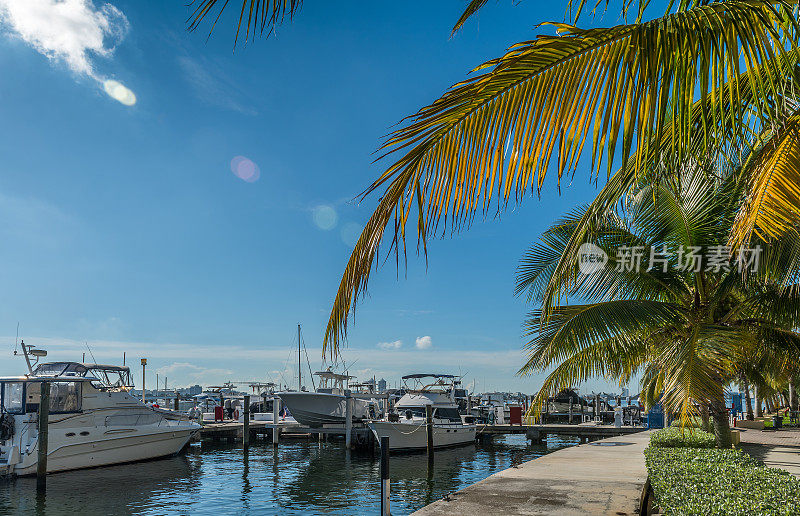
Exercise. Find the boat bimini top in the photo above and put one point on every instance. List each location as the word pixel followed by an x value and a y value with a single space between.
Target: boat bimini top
pixel 108 376
pixel 440 383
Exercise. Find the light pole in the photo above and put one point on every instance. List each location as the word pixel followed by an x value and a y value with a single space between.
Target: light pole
pixel 144 364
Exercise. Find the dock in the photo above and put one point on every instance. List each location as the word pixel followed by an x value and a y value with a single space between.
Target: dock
pixel 539 432
pixel 604 477
pixel 361 436
pixel 233 431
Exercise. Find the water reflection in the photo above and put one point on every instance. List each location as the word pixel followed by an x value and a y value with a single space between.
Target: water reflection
pixel 299 477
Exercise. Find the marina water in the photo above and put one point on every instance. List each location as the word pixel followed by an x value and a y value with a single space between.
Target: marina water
pixel 299 477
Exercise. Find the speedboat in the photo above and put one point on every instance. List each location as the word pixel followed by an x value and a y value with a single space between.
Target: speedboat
pixel 94 420
pixel 406 424
pixel 327 405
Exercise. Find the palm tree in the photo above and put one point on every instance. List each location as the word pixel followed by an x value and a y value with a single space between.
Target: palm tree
pixel 688 319
pixel 715 77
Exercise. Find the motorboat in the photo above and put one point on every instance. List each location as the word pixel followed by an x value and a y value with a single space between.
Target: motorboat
pixel 327 404
pixel 94 420
pixel 406 424
pixel 567 401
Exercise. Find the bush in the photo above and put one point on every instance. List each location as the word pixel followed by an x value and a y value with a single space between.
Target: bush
pixel 677 438
pixel 718 482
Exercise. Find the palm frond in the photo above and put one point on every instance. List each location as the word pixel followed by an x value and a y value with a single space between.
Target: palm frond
pixel 661 87
pixel 572 328
pixel 772 208
pixel 472 7
pixel 257 16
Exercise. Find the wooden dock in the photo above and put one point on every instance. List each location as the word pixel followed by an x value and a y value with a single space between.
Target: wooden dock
pixel 233 431
pixel 361 435
pixel 539 432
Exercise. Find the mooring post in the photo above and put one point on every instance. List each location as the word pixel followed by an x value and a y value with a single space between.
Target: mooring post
pixel 276 408
pixel 246 428
pixel 348 418
pixel 429 425
pixel 177 401
pixel 570 410
pixel 44 415
pixel 385 476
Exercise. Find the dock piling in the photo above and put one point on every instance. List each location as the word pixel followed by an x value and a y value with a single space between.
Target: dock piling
pixel 429 428
pixel 385 476
pixel 246 426
pixel 348 417
pixel 276 408
pixel 44 415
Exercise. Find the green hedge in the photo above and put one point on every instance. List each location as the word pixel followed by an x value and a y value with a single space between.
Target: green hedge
pixel 677 438
pixel 702 481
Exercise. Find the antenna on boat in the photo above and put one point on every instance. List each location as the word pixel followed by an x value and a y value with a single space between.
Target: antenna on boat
pixel 86 343
pixel 16 339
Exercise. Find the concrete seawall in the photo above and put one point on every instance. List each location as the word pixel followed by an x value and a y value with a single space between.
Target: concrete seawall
pixel 603 477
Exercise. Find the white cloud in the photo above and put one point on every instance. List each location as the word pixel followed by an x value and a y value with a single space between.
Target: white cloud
pixel 397 344
pixel 72 32
pixel 424 342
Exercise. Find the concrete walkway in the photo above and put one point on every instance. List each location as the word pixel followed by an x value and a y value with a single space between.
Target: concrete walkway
pixel 775 448
pixel 603 477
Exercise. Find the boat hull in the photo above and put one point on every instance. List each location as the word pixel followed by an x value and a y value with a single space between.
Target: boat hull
pixel 316 409
pixel 412 436
pixel 126 447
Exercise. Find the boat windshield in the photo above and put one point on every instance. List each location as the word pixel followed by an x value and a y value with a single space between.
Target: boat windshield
pixel 12 400
pixel 108 376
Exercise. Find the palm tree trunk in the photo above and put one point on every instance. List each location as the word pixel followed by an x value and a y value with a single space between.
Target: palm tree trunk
pixel 757 392
pixel 748 401
pixel 722 428
pixel 793 393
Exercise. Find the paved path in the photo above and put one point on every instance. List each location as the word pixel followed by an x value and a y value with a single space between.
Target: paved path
pixel 603 477
pixel 775 448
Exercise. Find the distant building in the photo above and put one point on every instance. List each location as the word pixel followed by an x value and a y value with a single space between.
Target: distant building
pixel 625 392
pixel 194 390
pixel 381 385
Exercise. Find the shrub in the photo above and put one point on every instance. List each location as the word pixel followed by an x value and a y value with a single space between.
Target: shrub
pixel 677 438
pixel 689 481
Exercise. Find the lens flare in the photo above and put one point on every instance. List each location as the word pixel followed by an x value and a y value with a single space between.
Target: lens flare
pixel 325 217
pixel 119 92
pixel 245 169
pixel 350 233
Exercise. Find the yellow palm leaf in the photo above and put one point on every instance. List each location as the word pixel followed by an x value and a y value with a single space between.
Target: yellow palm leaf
pixel 772 207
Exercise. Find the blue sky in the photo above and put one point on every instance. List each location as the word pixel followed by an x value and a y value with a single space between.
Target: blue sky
pixel 123 226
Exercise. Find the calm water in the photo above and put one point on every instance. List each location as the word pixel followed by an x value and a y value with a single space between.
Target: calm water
pixel 301 477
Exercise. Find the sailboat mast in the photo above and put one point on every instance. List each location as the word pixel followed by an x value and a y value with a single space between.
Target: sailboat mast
pixel 299 367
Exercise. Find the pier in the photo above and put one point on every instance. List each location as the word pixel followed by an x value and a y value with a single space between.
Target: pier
pixel 361 436
pixel 539 432
pixel 232 431
pixel 604 477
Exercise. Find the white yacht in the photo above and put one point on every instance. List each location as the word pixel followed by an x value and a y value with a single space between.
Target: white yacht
pixel 406 426
pixel 94 419
pixel 328 404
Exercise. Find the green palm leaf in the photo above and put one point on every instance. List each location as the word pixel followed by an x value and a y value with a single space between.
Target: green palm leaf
pixel 492 138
